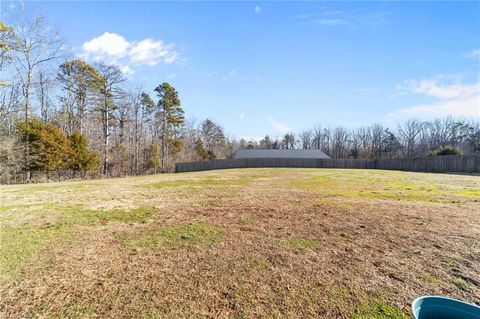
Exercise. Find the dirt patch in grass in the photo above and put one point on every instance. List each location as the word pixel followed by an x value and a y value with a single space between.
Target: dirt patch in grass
pixel 268 247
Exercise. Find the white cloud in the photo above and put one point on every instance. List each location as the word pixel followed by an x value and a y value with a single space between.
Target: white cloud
pixel 469 107
pixel 278 126
pixel 151 52
pixel 456 99
pixel 258 9
pixel 230 74
pixel 433 87
pixel 126 70
pixel 114 48
pixel 108 45
pixel 242 116
pixel 473 54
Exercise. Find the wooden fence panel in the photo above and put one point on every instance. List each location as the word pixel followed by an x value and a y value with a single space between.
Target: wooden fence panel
pixel 442 164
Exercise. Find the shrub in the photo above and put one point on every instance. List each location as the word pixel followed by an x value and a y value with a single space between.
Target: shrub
pixel 446 150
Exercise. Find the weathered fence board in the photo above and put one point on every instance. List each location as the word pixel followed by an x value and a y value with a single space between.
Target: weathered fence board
pixel 442 164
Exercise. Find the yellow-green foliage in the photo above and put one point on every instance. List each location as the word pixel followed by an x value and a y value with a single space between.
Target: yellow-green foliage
pixel 174 237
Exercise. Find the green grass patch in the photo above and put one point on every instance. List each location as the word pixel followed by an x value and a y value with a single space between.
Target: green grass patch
pixel 202 182
pixel 378 309
pixel 181 183
pixel 174 237
pixel 431 279
pixel 96 217
pixel 19 244
pixel 452 262
pixel 75 309
pixel 296 243
pixel 401 186
pixel 460 283
pixel 333 203
pixel 257 261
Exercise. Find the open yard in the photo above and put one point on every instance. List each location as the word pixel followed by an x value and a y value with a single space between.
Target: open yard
pixel 250 243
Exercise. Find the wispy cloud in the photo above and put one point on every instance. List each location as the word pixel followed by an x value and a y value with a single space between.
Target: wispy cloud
pixel 230 74
pixel 438 88
pixel 331 21
pixel 114 48
pixel 242 116
pixel 457 99
pixel 473 54
pixel 258 9
pixel 278 126
pixel 351 20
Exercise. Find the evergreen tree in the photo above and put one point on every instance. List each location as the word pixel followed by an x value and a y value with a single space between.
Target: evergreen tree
pixel 81 159
pixel 82 81
pixel 153 159
pixel 49 147
pixel 170 116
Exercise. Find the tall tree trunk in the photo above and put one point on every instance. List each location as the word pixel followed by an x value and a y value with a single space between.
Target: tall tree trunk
pixel 26 155
pixel 136 147
pixel 105 138
pixel 164 144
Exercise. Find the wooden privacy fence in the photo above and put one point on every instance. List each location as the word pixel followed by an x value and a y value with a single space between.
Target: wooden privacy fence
pixel 442 164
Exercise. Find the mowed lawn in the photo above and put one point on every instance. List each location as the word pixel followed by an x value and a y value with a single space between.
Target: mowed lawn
pixel 248 243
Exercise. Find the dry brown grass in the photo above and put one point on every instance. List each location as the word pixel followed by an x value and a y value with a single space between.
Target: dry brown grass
pixel 256 243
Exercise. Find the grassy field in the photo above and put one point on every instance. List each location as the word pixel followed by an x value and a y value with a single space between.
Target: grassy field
pixel 250 243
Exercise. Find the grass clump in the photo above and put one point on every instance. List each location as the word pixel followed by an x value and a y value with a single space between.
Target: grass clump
pixel 172 237
pixel 379 309
pixel 431 279
pixel 295 243
pixel 460 283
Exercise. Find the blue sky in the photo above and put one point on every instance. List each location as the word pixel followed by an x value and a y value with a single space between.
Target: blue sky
pixel 270 67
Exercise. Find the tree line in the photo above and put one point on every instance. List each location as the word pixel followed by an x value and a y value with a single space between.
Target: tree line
pixel 65 114
pixel 412 138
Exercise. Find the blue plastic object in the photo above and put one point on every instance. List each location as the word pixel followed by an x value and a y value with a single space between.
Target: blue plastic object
pixel 436 307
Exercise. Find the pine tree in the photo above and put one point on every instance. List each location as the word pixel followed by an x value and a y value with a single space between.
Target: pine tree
pixel 48 145
pixel 153 157
pixel 82 81
pixel 171 117
pixel 81 159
